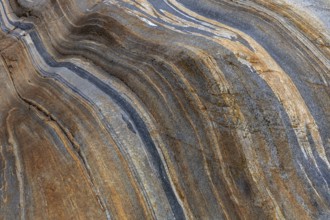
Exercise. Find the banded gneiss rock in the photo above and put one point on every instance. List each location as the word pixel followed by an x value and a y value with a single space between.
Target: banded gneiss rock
pixel 164 109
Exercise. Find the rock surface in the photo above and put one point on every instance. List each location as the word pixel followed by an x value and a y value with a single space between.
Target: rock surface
pixel 164 109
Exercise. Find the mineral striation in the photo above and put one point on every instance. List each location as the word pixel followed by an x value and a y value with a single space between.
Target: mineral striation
pixel 165 109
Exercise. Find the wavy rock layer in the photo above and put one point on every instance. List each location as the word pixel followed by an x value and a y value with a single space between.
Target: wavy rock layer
pixel 164 109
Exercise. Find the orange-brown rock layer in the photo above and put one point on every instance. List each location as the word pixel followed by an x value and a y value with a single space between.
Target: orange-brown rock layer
pixel 164 109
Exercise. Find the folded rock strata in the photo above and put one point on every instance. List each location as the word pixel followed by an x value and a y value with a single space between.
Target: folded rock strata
pixel 164 109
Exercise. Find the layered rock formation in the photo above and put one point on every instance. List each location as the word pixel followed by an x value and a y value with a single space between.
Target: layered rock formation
pixel 164 109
